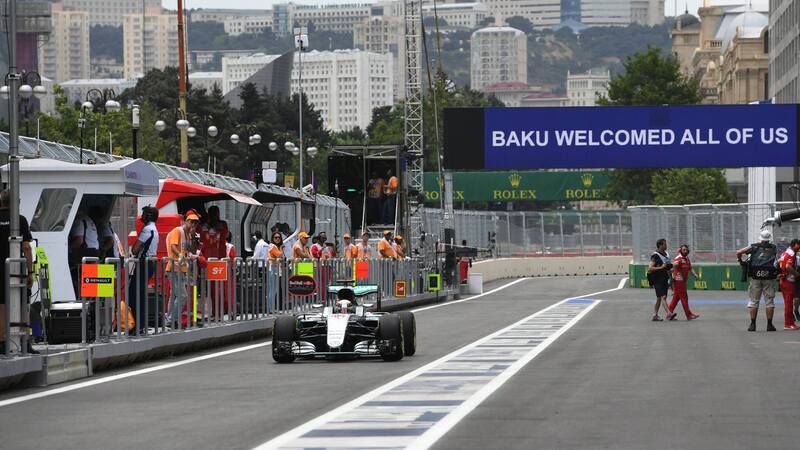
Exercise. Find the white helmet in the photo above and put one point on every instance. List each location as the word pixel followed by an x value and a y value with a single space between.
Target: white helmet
pixel 766 235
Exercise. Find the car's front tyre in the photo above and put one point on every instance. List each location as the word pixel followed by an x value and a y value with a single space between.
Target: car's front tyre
pixel 284 332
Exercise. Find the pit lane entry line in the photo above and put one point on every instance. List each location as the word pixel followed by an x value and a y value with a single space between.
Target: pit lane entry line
pixel 160 367
pixel 417 409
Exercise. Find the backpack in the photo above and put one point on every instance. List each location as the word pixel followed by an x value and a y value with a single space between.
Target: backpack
pixel 764 262
pixel 651 276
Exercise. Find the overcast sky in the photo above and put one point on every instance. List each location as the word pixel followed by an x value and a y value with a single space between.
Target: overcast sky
pixel 263 4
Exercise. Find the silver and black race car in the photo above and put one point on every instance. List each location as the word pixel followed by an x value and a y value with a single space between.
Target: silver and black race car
pixel 347 329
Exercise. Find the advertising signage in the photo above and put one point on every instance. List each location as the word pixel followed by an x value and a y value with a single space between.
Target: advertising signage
pixel 513 186
pixel 621 137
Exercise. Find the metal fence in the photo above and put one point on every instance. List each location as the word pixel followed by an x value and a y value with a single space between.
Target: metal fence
pixel 156 296
pixel 713 232
pixel 548 233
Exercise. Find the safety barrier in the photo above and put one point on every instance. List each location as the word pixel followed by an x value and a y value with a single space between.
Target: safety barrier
pixel 154 296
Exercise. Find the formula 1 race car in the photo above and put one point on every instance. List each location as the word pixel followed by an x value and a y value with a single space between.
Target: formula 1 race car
pixel 347 329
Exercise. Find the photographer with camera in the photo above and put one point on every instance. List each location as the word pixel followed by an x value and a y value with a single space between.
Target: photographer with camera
pixel 762 270
pixel 658 274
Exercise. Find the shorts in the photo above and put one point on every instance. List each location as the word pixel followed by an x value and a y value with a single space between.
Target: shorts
pixel 661 287
pixel 759 287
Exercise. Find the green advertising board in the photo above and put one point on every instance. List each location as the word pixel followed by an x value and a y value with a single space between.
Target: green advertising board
pixel 520 186
pixel 710 277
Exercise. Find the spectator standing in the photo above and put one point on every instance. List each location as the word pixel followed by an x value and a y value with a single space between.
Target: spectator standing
pixel 319 245
pixel 276 246
pixel 146 246
pixel 179 249
pixel 213 234
pixel 385 247
pixel 300 249
pixel 786 282
pixel 261 248
pixel 682 267
pixel 374 198
pixel 390 198
pixel 658 275
pixel 26 252
pixel 364 251
pixel 397 246
pixel 230 249
pixel 350 251
pixel 762 272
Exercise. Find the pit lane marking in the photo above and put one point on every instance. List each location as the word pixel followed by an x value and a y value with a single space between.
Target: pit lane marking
pixel 415 410
pixel 160 367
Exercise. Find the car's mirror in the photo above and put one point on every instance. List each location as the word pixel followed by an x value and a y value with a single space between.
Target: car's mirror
pixel 317 305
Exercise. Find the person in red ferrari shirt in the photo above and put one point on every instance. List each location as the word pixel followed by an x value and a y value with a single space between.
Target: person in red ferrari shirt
pixel 213 234
pixel 681 268
pixel 786 282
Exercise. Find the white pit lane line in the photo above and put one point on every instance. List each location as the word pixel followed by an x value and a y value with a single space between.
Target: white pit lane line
pixel 160 367
pixel 417 409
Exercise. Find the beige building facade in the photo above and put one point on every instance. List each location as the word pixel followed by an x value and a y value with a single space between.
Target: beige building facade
pixel 110 12
pixel 65 53
pixel 498 55
pixel 385 35
pixel 149 44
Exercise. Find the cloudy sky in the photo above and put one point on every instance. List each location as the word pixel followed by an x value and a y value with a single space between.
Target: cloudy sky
pixel 262 4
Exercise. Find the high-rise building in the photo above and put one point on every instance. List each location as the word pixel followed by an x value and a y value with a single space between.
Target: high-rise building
pixel 583 89
pixel 345 85
pixel 552 13
pixel 541 13
pixel 110 12
pixel 221 15
pixel 149 45
pixel 65 55
pixel 784 51
pixel 498 55
pixel 385 35
pixel 340 17
pixel 268 73
pixel 465 15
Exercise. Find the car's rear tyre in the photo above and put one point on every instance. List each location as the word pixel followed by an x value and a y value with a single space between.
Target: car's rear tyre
pixel 409 323
pixel 390 328
pixel 283 330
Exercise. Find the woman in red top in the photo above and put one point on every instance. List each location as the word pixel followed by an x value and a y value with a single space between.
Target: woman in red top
pixel 681 268
pixel 786 282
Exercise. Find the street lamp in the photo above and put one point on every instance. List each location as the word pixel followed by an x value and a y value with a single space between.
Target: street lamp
pixel 253 138
pixel 100 101
pixel 180 121
pixel 210 131
pixel 31 88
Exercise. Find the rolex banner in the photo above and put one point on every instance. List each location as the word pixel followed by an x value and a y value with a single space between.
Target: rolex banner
pixel 520 186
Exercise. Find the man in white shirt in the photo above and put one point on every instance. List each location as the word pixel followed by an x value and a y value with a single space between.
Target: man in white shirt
pixel 261 248
pixel 84 242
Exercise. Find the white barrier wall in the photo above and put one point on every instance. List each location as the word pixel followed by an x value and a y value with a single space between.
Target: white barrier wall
pixel 495 269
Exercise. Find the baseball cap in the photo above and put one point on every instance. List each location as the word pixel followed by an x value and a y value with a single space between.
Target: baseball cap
pixel 347 236
pixel 303 235
pixel 398 237
pixel 387 232
pixel 192 215
pixel 766 235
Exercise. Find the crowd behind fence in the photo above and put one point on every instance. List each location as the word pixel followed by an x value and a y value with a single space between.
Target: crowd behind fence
pixel 713 232
pixel 155 296
pixel 546 233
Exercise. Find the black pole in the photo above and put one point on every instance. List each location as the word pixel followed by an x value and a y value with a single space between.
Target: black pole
pixel 81 126
pixel 135 143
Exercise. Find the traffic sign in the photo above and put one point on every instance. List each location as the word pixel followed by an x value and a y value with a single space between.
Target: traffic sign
pixel 97 280
pixel 400 288
pixel 217 271
pixel 302 285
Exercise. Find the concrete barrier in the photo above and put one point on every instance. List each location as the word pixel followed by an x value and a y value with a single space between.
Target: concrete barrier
pixel 495 269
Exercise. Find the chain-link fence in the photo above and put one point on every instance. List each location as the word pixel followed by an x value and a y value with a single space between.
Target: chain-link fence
pixel 713 232
pixel 550 233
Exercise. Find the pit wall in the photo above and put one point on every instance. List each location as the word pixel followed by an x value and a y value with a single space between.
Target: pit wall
pixel 495 269
pixel 711 277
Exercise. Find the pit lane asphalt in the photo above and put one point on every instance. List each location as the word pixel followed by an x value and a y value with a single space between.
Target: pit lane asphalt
pixel 244 399
pixel 617 380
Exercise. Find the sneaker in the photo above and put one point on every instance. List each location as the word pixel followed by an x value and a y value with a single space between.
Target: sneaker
pixel 770 327
pixel 693 317
pixel 752 327
pixel 791 327
pixel 657 319
pixel 673 316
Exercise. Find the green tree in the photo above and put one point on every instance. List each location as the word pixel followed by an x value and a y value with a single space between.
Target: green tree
pixel 650 78
pixel 520 23
pixel 690 186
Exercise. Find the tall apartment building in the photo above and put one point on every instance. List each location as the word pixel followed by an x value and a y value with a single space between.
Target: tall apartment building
pixel 583 89
pixel 235 26
pixel 498 55
pixel 385 35
pixel 345 85
pixel 149 44
pixel 784 50
pixel 109 12
pixel 65 54
pixel 221 15
pixel 541 13
pixel 551 13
